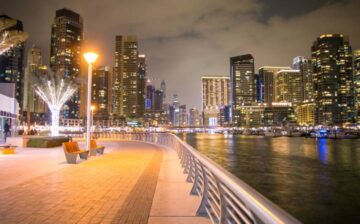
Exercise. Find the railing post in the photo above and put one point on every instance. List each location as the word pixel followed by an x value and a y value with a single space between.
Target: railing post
pixel 196 180
pixel 223 204
pixel 201 211
pixel 191 164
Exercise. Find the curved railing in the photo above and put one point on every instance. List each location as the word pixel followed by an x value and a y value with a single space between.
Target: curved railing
pixel 224 197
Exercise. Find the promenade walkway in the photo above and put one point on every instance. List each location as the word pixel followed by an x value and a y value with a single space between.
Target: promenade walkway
pixel 132 183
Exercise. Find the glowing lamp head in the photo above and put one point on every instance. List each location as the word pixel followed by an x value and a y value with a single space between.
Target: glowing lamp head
pixel 92 107
pixel 90 57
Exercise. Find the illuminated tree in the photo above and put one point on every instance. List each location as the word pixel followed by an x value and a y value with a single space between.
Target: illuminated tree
pixel 9 39
pixel 55 90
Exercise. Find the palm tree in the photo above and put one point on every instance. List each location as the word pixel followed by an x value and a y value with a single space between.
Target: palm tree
pixel 9 39
pixel 55 90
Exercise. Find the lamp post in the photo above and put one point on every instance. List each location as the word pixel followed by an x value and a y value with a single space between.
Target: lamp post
pixel 90 59
pixel 92 116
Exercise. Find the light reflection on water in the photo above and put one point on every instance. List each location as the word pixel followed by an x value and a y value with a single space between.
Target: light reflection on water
pixel 315 180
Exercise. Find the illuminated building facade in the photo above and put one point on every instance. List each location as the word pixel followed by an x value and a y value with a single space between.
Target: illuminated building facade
pixel 357 82
pixel 183 116
pixel 267 76
pixel 141 85
pixel 127 96
pixel 251 116
pixel 289 86
pixel 11 64
pixel 215 94
pixel 33 104
pixel 279 114
pixel 65 53
pixel 333 79
pixel 242 84
pixel 305 113
pixel 99 92
pixel 304 66
pixel 194 117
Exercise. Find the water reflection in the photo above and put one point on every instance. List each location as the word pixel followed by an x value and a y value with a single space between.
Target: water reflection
pixel 317 181
pixel 322 149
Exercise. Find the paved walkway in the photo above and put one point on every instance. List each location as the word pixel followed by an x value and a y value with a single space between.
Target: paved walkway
pixel 131 183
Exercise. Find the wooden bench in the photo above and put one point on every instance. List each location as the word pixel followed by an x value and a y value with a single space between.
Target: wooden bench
pixel 71 150
pixel 99 149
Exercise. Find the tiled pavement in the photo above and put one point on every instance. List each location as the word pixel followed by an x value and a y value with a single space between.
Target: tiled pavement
pixel 115 188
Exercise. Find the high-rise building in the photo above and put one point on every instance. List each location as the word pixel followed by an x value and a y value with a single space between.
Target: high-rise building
pixel 99 92
pixel 11 64
pixel 357 82
pixel 158 100
pixel 141 85
pixel 183 116
pixel 258 88
pixel 333 79
pixel 289 86
pixel 163 88
pixel 242 84
pixel 127 82
pixel 267 76
pixel 215 94
pixel 175 116
pixel 194 117
pixel 149 102
pixel 36 109
pixel 65 54
pixel 304 66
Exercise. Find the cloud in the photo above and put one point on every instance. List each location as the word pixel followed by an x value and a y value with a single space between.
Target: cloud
pixel 184 40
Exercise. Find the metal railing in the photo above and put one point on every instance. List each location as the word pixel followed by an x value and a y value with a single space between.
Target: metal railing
pixel 224 197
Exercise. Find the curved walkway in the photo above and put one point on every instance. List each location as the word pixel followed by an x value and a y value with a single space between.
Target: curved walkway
pixel 118 187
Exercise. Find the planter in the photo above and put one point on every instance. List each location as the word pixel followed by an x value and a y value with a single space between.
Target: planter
pixel 46 141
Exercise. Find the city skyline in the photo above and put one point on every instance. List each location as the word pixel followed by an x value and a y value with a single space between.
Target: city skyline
pixel 200 35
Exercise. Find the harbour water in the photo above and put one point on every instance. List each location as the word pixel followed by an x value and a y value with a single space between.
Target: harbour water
pixel 317 181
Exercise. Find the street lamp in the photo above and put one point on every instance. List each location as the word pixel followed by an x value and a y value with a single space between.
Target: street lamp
pixel 92 115
pixel 90 58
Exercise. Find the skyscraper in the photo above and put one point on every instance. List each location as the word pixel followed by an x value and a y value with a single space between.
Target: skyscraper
pixel 242 80
pixel 11 64
pixel 141 85
pixel 32 102
pixel 99 92
pixel 357 82
pixel 333 79
pixel 163 88
pixel 158 100
pixel 183 116
pixel 242 84
pixel 175 111
pixel 215 95
pixel 289 86
pixel 267 79
pixel 126 81
pixel 194 117
pixel 65 53
pixel 304 66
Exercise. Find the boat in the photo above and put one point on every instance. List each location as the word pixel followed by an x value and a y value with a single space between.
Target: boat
pixel 227 134
pixel 322 133
pixel 271 133
pixel 295 133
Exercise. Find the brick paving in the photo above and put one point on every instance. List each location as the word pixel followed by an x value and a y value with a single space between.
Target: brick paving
pixel 115 188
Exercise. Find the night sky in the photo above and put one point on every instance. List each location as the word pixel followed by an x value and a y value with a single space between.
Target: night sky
pixel 184 40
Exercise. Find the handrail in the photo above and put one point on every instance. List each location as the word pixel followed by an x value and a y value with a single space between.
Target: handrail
pixel 224 197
